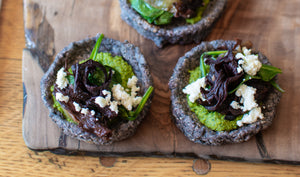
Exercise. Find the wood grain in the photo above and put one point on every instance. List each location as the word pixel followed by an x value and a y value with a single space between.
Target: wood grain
pixel 17 160
pixel 157 134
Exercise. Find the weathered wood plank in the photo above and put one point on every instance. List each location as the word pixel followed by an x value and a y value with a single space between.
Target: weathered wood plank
pixel 273 27
pixel 17 160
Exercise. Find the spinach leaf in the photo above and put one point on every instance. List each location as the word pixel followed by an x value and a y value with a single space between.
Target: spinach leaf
pixel 204 68
pixel 150 13
pixel 70 79
pixel 164 19
pixel 133 114
pixel 96 47
pixel 247 78
pixel 116 77
pixel 97 77
pixel 267 72
pixel 147 12
pixel 276 86
pixel 200 11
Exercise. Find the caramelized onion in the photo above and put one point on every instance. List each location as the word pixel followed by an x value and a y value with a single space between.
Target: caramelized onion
pixel 222 77
pixel 84 92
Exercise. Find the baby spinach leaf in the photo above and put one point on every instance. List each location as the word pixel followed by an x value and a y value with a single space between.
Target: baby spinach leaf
pixel 200 11
pixel 150 13
pixel 147 11
pixel 204 68
pixel 70 79
pixel 268 72
pixel 123 113
pixel 164 19
pixel 116 77
pixel 97 78
pixel 133 114
pixel 276 86
pixel 247 78
pixel 96 47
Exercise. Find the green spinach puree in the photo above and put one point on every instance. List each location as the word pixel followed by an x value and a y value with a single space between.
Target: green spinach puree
pixel 210 119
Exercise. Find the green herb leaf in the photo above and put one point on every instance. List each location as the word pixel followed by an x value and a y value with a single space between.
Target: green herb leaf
pixel 145 10
pixel 247 78
pixel 164 19
pixel 96 47
pixel 214 53
pixel 268 72
pixel 123 113
pixel 133 114
pixel 97 77
pixel 204 68
pixel 150 13
pixel 70 79
pixel 276 86
pixel 116 78
pixel 200 11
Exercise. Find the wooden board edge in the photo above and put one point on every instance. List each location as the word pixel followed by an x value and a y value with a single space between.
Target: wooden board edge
pixel 62 151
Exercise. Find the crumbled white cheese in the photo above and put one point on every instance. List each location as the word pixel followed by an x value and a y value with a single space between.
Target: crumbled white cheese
pixel 136 101
pixel 61 79
pixel 106 101
pixel 132 85
pixel 122 96
pixel 114 106
pixel 250 62
pixel 247 98
pixel 239 69
pixel 239 55
pixel 60 97
pixel 251 117
pixel 235 105
pixel 132 82
pixel 251 65
pixel 193 89
pixel 85 111
pixel 246 51
pixel 77 106
pixel 107 95
pixel 101 101
pixel 129 101
pixel 247 103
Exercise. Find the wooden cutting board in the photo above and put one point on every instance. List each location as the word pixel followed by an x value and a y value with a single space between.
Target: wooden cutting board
pixel 272 25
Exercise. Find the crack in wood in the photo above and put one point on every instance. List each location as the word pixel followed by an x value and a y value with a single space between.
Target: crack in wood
pixel 62 141
pixel 39 36
pixel 24 98
pixel 261 146
pixel 73 5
